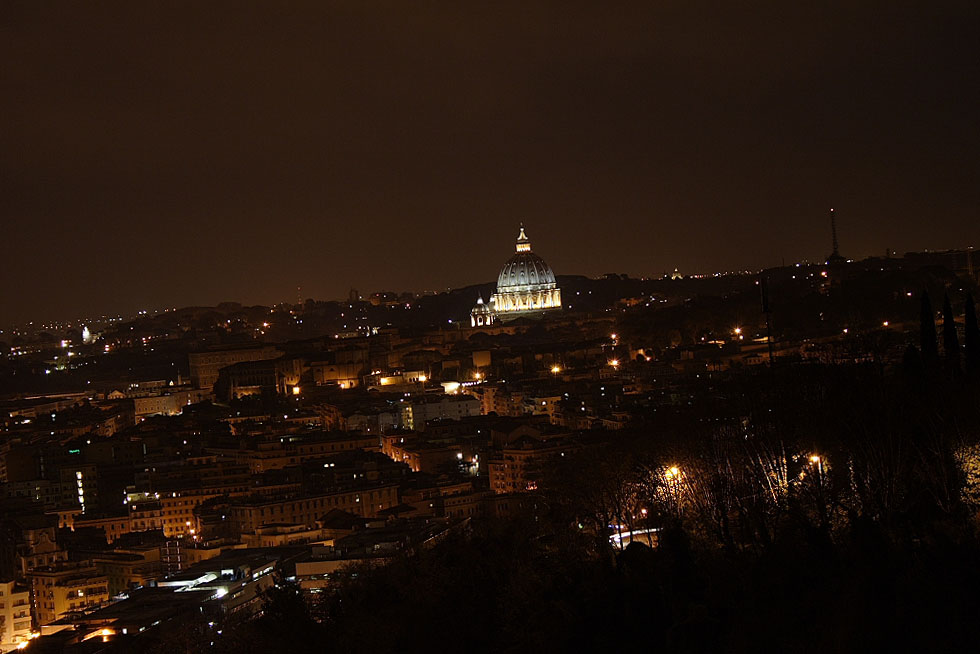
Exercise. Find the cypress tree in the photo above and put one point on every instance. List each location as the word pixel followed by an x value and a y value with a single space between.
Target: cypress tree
pixel 951 343
pixel 928 343
pixel 912 362
pixel 971 337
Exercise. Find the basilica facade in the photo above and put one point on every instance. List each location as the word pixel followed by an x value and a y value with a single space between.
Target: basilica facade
pixel 526 287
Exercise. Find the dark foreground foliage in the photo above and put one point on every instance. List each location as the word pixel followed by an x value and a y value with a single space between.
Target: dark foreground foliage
pixel 831 510
pixel 502 591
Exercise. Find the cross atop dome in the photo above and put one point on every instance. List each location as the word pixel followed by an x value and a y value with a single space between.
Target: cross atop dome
pixel 523 242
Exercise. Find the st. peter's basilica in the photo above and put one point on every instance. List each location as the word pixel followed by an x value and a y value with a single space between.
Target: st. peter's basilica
pixel 526 287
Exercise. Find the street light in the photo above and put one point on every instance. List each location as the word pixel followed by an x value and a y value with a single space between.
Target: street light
pixel 817 460
pixel 672 486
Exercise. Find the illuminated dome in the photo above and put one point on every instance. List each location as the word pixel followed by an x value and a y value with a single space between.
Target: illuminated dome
pixel 526 287
pixel 525 270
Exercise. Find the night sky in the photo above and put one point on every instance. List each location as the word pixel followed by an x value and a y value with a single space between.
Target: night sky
pixel 166 153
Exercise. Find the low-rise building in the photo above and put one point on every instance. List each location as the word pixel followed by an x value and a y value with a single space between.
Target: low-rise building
pixel 420 410
pixel 205 366
pixel 422 456
pixel 296 449
pixel 280 375
pixel 112 526
pixel 69 587
pixel 518 466
pixel 170 401
pixel 366 501
pixel 125 571
pixel 15 615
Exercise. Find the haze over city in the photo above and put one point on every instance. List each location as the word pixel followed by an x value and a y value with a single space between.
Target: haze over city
pixel 186 153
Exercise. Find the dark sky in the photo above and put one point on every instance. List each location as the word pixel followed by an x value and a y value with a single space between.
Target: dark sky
pixel 163 153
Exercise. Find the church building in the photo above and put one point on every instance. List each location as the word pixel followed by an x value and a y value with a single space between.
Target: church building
pixel 526 288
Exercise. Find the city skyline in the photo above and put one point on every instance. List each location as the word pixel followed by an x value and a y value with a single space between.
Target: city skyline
pixel 515 326
pixel 137 310
pixel 189 156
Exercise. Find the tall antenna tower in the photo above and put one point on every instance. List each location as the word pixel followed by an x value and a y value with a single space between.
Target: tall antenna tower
pixel 833 229
pixel 835 256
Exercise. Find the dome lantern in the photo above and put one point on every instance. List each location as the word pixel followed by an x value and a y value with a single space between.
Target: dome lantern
pixel 523 242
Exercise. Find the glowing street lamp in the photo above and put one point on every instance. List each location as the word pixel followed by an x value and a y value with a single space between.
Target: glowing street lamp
pixel 672 487
pixel 614 363
pixel 555 369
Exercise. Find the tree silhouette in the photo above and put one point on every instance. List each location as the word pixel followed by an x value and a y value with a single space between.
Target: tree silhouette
pixel 971 337
pixel 928 342
pixel 912 362
pixel 951 343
